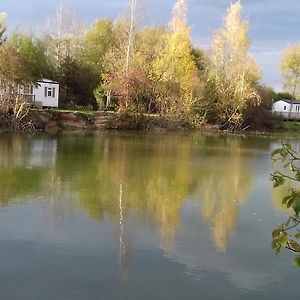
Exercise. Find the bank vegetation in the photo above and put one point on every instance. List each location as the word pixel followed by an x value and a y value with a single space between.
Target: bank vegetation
pixel 138 70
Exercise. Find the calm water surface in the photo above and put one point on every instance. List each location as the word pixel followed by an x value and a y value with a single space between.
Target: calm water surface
pixel 134 216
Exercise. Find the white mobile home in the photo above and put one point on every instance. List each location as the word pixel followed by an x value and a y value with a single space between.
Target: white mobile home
pixel 43 93
pixel 287 109
pixel 46 93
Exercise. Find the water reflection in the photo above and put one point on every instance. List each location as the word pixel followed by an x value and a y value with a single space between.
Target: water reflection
pixel 110 175
pixel 120 215
pixel 226 184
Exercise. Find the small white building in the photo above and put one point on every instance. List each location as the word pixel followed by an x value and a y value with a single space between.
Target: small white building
pixel 287 109
pixel 46 93
pixel 43 93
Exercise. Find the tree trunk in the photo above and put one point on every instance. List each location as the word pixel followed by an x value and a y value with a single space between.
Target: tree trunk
pixel 293 94
pixel 129 46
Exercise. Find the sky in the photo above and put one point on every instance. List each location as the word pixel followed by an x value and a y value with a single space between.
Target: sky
pixel 274 24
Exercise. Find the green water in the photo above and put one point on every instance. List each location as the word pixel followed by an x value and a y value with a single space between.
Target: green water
pixel 135 216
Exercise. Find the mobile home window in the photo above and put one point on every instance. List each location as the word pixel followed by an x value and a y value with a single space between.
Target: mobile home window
pixel 284 108
pixel 49 92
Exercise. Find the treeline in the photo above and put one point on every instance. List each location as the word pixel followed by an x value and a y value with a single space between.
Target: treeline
pixel 144 70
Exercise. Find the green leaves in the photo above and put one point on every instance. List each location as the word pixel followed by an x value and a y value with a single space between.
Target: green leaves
pixel 296 261
pixel 292 201
pixel 294 245
pixel 281 153
pixel 278 180
pixel 286 199
pixel 278 151
pixel 283 235
pixel 296 203
pixel 280 239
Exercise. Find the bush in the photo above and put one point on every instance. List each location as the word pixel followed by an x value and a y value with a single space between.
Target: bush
pixel 13 112
pixel 258 117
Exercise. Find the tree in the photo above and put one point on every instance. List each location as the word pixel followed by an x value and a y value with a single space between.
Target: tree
pixel 267 96
pixel 2 28
pixel 14 69
pixel 98 40
pixel 175 67
pixel 63 36
pixel 33 51
pixel 283 95
pixel 64 46
pixel 199 58
pixel 290 69
pixel 76 84
pixel 121 73
pixel 133 6
pixel 232 73
pixel 14 74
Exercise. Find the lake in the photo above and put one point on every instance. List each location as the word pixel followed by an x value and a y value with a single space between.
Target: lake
pixel 141 216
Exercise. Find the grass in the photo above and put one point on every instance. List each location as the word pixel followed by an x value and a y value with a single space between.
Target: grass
pixel 291 126
pixel 86 112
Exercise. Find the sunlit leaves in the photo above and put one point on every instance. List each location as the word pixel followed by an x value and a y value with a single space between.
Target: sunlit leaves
pixel 232 70
pixel 284 236
pixel 98 40
pixel 280 239
pixel 32 50
pixel 278 180
pixel 290 67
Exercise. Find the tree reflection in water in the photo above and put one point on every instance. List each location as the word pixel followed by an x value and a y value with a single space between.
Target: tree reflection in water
pixel 112 174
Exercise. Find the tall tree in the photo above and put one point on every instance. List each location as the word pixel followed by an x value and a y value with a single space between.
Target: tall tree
pixel 77 84
pixel 14 69
pixel 120 72
pixel 290 68
pixel 63 36
pixel 133 6
pixel 33 51
pixel 98 40
pixel 232 71
pixel 175 66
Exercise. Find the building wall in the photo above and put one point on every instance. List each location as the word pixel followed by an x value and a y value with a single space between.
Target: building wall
pixel 45 98
pixel 282 108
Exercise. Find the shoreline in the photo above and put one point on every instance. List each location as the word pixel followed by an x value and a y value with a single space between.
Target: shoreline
pixel 55 121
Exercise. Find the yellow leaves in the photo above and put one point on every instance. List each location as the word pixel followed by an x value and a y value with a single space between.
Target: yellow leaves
pixel 221 196
pixel 291 59
pixel 290 66
pixel 234 29
pixel 2 20
pixel 179 19
pixel 232 70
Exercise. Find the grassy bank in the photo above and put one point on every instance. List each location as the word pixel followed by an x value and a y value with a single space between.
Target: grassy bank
pixel 58 120
pixel 55 120
pixel 290 126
